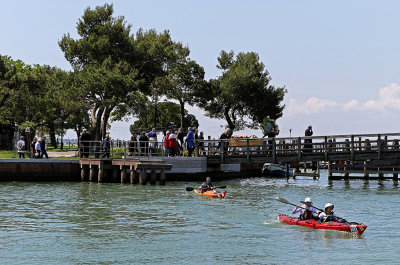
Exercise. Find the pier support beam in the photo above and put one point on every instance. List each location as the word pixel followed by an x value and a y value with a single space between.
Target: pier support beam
pixel 329 169
pixel 143 177
pixel 346 174
pixel 162 177
pixel 93 173
pixel 100 174
pixel 84 172
pixel 133 176
pixel 153 177
pixel 124 178
pixel 115 174
pixel 366 175
pixel 395 177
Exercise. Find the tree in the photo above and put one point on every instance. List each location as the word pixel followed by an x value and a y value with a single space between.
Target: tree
pixel 116 67
pixel 184 81
pixel 168 115
pixel 242 95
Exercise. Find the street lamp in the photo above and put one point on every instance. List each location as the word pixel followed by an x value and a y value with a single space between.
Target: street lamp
pixel 62 130
pixel 155 99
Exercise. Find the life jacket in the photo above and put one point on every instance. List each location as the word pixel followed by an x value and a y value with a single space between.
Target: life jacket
pixel 206 187
pixel 307 215
pixel 329 218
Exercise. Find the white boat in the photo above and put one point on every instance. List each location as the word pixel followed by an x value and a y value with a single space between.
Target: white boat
pixel 276 170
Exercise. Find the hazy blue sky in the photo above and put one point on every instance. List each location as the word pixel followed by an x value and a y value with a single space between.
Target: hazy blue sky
pixel 339 60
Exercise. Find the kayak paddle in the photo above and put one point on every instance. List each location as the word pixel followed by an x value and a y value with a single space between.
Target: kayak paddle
pixel 282 200
pixel 191 188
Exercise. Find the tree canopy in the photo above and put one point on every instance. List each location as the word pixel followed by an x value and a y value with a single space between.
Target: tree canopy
pixel 168 117
pixel 242 95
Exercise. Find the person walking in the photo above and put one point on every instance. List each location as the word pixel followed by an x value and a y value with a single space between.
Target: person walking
pixel 144 143
pixel 21 147
pixel 85 143
pixel 106 147
pixel 33 147
pixel 172 144
pixel 153 141
pixel 181 143
pixel 166 143
pixel 38 149
pixel 190 141
pixel 133 145
pixel 43 147
pixel 308 142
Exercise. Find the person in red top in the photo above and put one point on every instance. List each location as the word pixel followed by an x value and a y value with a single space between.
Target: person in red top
pixel 173 144
pixel 166 144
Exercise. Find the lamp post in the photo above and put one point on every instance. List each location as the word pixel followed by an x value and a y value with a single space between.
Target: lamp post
pixel 155 99
pixel 62 130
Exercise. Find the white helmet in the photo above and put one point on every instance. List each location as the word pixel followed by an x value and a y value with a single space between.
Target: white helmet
pixel 329 205
pixel 308 200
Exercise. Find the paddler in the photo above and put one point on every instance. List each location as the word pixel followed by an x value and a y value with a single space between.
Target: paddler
pixel 307 211
pixel 329 215
pixel 206 186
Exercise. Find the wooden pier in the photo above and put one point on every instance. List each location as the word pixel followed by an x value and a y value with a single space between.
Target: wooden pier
pixel 139 170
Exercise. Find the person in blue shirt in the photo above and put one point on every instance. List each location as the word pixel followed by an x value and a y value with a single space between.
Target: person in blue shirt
pixel 190 141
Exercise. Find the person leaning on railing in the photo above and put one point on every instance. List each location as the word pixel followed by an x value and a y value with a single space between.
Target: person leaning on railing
pixel 85 143
pixel 144 143
pixel 133 145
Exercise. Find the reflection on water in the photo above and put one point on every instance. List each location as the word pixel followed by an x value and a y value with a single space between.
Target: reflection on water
pixel 91 223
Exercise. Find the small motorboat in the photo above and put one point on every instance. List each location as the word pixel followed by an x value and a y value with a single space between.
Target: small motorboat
pixel 276 170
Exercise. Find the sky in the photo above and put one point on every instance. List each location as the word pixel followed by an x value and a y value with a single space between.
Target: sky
pixel 339 60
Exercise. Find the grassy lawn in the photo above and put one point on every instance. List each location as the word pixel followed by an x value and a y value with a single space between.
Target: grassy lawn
pixel 4 154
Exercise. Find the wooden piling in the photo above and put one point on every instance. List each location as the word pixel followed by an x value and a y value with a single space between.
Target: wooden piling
pixel 162 177
pixel 143 177
pixel 133 176
pixel 330 169
pixel 93 172
pixel 153 177
pixel 84 172
pixel 124 178
pixel 346 174
pixel 366 175
pixel 395 176
pixel 115 174
pixel 100 174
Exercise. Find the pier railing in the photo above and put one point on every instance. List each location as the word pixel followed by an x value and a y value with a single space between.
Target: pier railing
pixel 315 148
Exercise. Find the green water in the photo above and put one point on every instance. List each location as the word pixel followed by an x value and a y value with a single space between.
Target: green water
pixel 90 223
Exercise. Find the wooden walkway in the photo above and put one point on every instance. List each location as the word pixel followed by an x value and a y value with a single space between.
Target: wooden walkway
pixel 378 147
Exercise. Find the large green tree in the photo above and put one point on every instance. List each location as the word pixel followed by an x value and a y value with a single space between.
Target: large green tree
pixel 168 115
pixel 184 82
pixel 242 95
pixel 117 66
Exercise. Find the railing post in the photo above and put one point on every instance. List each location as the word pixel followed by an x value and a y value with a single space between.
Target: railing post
pixel 196 149
pixel 248 150
pixel 222 149
pixel 274 150
pixel 299 148
pixel 379 145
pixel 326 148
pixel 352 148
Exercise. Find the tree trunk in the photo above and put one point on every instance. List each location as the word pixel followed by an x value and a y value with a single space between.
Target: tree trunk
pixel 52 134
pixel 182 111
pixel 104 121
pixel 95 130
pixel 228 119
pixel 4 99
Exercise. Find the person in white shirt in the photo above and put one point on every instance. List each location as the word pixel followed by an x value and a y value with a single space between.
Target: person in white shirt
pixel 21 147
pixel 38 149
pixel 307 211
pixel 329 215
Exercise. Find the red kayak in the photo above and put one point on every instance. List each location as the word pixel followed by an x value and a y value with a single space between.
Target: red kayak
pixel 354 228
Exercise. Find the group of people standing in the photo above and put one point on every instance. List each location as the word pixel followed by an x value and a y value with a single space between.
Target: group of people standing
pixel 174 142
pixel 38 148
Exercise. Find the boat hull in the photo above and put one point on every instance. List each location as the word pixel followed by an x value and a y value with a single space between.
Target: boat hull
pixel 353 228
pixel 211 194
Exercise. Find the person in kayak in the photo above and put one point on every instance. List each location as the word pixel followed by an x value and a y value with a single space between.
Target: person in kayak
pixel 206 186
pixel 329 215
pixel 307 211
